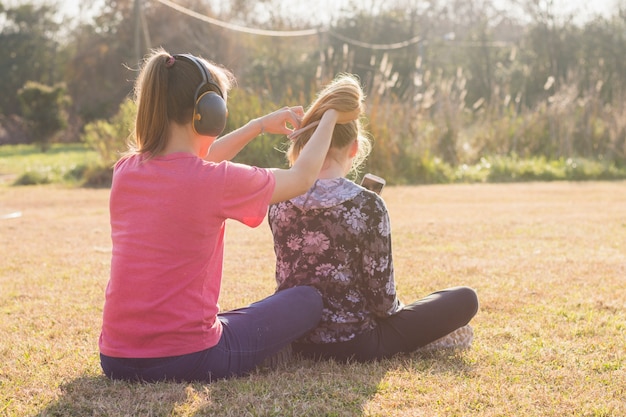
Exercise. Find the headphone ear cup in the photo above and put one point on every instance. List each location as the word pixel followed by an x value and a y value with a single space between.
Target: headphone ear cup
pixel 209 116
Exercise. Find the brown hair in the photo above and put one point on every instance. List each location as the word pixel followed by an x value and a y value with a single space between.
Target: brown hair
pixel 164 93
pixel 343 94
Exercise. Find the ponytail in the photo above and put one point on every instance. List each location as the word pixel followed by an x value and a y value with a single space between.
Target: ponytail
pixel 151 96
pixel 343 94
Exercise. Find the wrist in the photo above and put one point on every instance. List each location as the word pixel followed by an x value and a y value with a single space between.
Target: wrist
pixel 260 125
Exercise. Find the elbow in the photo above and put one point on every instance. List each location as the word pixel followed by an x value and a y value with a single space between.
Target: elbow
pixel 305 182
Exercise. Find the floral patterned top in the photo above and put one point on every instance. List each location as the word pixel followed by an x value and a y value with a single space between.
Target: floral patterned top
pixel 337 238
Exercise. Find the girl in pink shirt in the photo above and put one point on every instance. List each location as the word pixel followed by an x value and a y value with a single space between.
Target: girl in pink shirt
pixel 170 197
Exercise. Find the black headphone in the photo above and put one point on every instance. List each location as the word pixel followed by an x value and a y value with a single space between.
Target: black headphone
pixel 209 111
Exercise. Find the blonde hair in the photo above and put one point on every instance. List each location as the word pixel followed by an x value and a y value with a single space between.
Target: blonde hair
pixel 343 94
pixel 164 93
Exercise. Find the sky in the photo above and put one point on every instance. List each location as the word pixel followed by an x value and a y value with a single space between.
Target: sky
pixel 323 9
pixel 588 7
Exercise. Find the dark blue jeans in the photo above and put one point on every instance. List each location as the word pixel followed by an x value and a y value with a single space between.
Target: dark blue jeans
pixel 251 334
pixel 416 325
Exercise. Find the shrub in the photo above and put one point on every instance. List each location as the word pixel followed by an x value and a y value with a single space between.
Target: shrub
pixel 110 138
pixel 33 178
pixel 98 176
pixel 44 109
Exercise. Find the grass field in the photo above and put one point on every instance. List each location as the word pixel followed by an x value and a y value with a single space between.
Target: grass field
pixel 548 261
pixel 62 163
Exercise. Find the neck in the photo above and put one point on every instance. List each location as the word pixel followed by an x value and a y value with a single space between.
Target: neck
pixel 182 138
pixel 333 169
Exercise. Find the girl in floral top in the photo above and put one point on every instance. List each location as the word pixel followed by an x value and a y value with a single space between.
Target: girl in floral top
pixel 337 238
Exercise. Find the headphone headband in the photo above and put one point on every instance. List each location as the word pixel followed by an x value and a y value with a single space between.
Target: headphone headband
pixel 206 75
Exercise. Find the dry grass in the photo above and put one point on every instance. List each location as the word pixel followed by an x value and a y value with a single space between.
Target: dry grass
pixel 547 259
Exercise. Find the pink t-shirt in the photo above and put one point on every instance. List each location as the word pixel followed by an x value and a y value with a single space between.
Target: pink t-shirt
pixel 167 228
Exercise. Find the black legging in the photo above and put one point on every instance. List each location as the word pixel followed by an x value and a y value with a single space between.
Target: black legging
pixel 416 325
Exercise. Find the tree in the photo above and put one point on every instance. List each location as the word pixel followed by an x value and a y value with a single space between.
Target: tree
pixel 44 109
pixel 27 51
pixel 97 75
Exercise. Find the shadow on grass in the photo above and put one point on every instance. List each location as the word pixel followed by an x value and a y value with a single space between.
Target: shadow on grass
pixel 299 388
pixel 99 396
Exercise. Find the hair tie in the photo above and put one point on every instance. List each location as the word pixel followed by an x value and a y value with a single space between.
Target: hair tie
pixel 170 61
pixel 295 133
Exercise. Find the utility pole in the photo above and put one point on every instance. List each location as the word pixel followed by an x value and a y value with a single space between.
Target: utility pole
pixel 141 28
pixel 137 14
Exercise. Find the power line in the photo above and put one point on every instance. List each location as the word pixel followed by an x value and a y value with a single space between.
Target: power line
pixel 289 33
pixel 311 32
pixel 388 46
pixel 230 26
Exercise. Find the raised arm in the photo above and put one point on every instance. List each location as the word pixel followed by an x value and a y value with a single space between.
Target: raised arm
pixel 300 177
pixel 228 146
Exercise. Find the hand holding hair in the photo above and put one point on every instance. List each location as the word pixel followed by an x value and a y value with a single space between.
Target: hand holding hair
pixel 277 122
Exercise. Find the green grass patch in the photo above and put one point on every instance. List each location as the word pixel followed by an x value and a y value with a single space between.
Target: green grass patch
pixel 514 169
pixel 62 163
pixel 80 164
